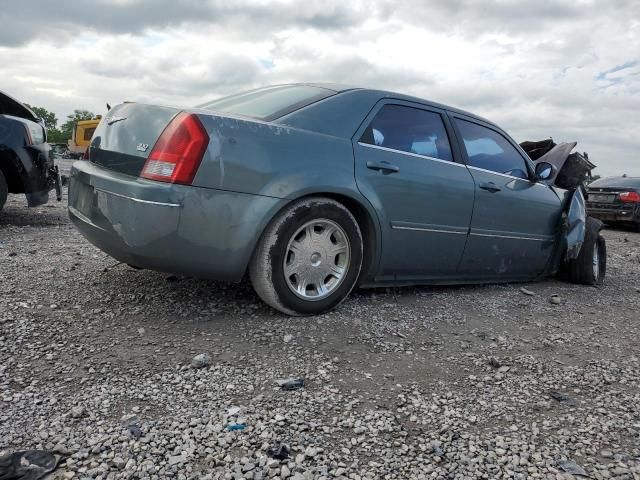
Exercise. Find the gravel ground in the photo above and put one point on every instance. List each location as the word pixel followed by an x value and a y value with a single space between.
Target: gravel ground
pixel 450 383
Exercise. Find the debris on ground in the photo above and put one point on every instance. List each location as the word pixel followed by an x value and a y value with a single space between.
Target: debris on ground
pixel 555 299
pixel 27 465
pixel 494 362
pixel 201 361
pixel 279 451
pixel 527 292
pixel 291 383
pixel 573 468
pixel 135 431
pixel 562 398
pixel 231 411
pixel 236 426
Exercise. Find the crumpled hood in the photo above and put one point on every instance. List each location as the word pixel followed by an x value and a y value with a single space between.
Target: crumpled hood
pixel 11 106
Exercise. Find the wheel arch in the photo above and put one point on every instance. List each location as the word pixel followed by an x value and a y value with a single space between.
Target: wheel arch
pixel 9 166
pixel 362 211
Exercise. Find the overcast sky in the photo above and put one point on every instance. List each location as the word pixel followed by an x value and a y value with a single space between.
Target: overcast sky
pixel 566 69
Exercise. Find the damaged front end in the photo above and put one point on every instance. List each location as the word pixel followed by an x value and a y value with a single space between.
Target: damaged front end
pixel 571 171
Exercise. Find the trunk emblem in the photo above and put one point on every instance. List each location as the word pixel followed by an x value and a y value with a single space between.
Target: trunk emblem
pixel 113 120
pixel 142 147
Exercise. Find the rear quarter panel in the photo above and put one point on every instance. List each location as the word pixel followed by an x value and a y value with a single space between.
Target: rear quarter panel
pixel 274 160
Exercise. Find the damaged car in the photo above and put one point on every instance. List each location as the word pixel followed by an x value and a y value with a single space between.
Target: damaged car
pixel 310 190
pixel 26 165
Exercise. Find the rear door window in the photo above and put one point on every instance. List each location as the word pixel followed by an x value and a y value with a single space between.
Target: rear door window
pixel 410 130
pixel 489 150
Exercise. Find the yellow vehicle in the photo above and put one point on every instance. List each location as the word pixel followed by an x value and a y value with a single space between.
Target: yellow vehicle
pixel 81 136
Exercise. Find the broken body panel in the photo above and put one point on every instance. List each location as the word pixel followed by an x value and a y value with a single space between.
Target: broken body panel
pixel 570 172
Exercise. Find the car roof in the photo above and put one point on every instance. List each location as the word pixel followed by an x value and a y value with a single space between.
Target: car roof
pixel 340 88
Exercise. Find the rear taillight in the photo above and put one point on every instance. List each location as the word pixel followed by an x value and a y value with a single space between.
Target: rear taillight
pixel 630 197
pixel 177 154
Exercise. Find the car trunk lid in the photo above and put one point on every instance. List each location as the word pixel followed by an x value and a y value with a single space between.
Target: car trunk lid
pixel 125 137
pixel 607 195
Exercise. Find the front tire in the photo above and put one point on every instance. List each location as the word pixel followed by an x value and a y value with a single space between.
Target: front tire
pixel 591 265
pixel 309 257
pixel 4 190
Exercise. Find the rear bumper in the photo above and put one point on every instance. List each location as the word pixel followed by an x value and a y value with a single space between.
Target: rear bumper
pixel 173 228
pixel 630 214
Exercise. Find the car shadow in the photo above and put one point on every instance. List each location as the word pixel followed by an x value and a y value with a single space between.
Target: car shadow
pixel 16 213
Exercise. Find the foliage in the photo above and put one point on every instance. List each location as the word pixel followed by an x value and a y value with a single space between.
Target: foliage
pixel 49 118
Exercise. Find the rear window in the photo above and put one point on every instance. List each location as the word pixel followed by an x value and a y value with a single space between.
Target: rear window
pixel 271 102
pixel 616 182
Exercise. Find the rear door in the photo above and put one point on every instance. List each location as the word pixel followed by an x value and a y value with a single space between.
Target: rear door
pixel 406 167
pixel 515 220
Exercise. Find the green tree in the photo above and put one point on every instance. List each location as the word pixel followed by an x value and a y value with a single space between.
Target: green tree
pixel 67 127
pixel 49 118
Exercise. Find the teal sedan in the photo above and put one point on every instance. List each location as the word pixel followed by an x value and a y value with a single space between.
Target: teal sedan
pixel 311 190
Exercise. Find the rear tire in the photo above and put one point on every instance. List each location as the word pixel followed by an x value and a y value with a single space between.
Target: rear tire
pixel 309 257
pixel 591 265
pixel 4 190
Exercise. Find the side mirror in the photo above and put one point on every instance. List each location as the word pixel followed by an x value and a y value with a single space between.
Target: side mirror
pixel 544 171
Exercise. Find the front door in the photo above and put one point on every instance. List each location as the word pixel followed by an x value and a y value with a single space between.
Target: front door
pixel 515 220
pixel 407 169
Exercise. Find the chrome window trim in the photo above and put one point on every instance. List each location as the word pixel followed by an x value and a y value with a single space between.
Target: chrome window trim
pixel 508 176
pixel 498 173
pixel 138 200
pixel 449 162
pixel 410 154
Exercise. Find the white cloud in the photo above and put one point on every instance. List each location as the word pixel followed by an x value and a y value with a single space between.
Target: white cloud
pixel 567 69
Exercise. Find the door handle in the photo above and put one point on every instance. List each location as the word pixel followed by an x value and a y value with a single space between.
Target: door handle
pixel 384 167
pixel 489 187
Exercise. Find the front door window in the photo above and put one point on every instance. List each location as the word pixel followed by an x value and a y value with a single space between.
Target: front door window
pixel 489 150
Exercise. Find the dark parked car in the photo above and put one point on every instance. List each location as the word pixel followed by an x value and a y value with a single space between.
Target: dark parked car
pixel 615 200
pixel 25 164
pixel 312 189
